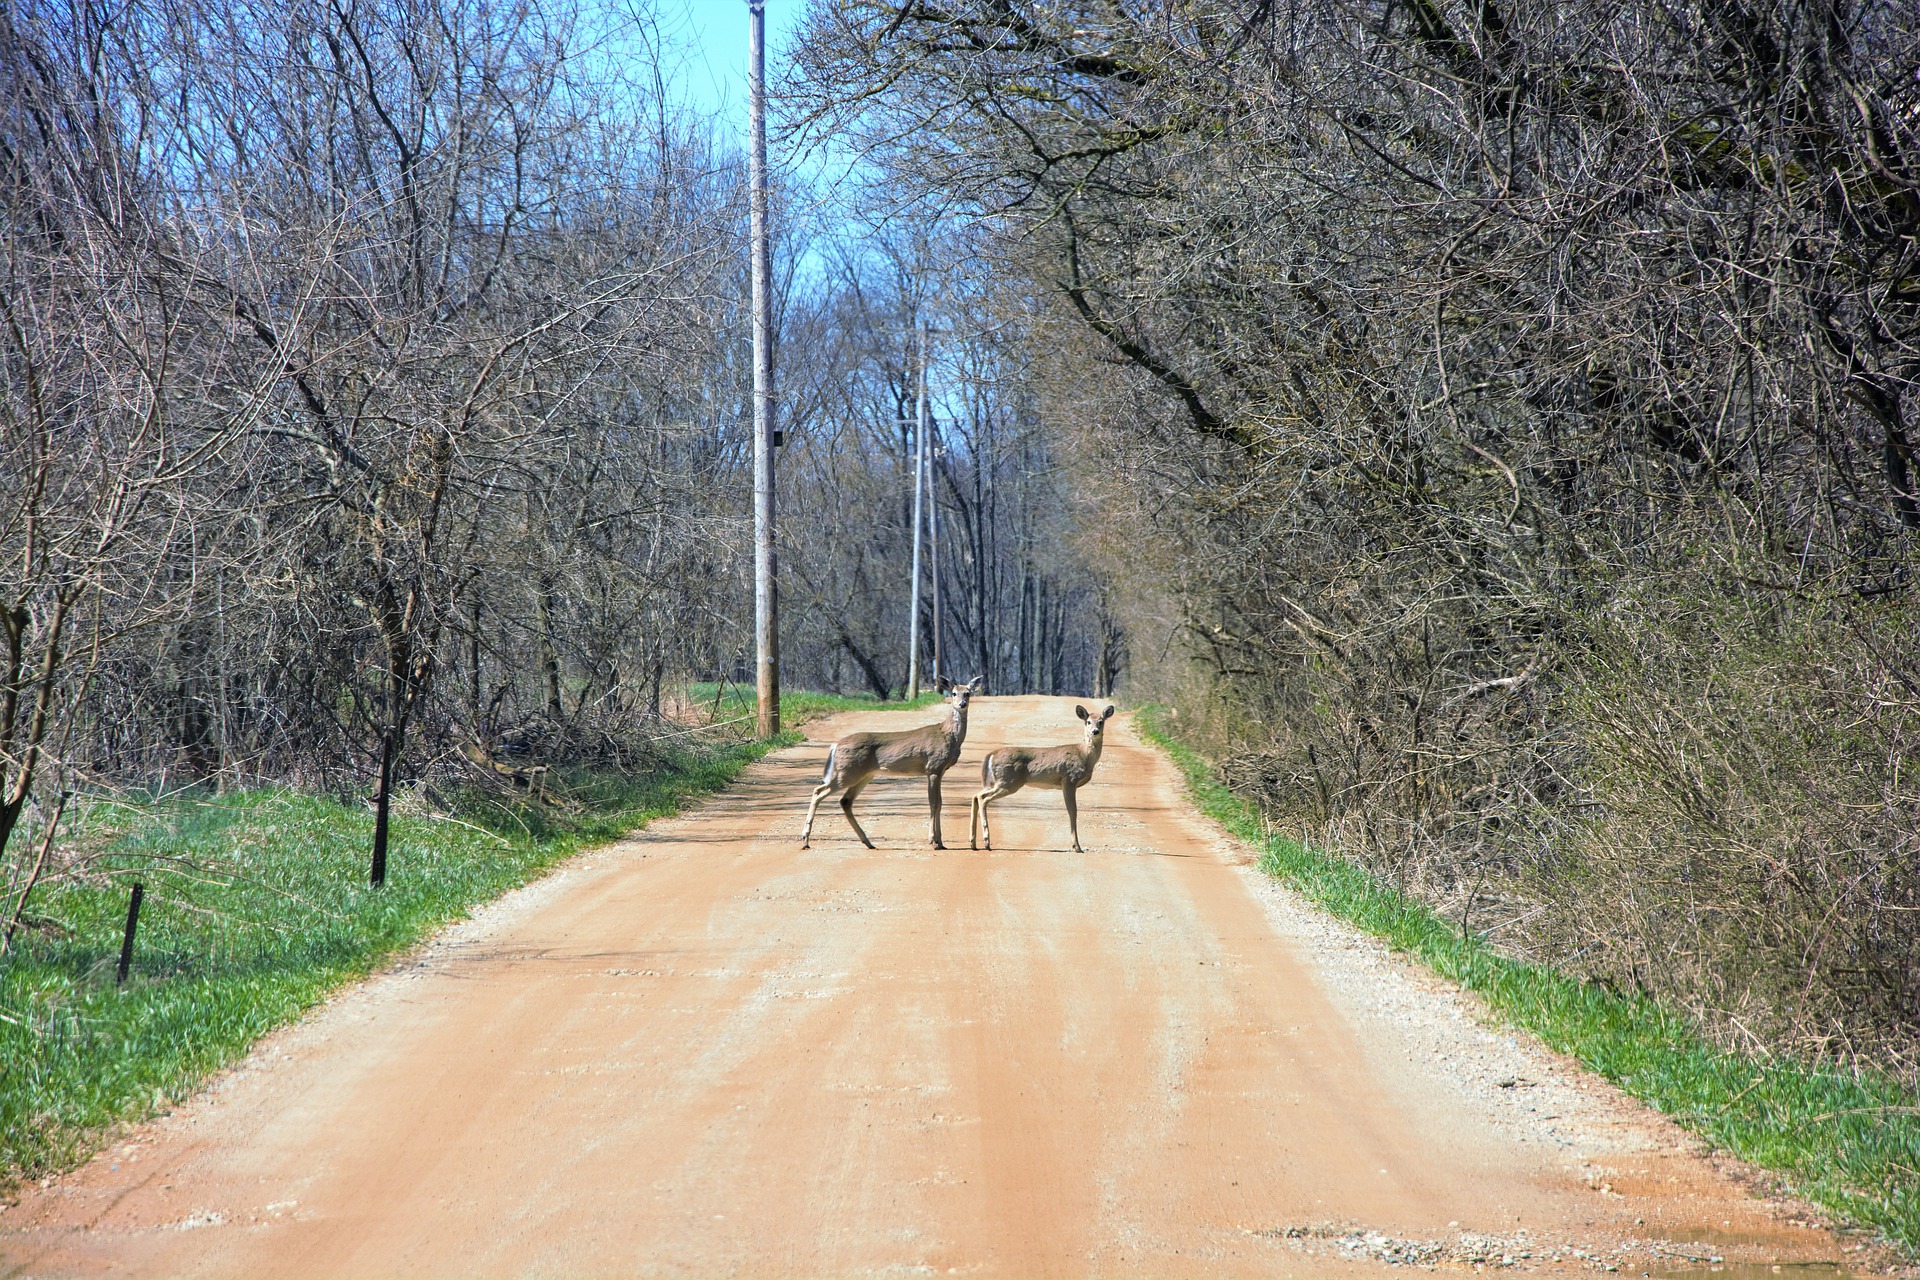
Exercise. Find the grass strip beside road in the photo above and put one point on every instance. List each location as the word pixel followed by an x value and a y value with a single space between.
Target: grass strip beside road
pixel 256 906
pixel 1849 1143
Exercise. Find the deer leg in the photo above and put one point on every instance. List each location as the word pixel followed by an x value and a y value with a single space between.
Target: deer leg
pixel 820 793
pixel 933 808
pixel 974 814
pixel 1073 818
pixel 980 803
pixel 846 807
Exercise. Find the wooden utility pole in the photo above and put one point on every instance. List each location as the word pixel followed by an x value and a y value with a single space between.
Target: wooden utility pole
pixel 766 604
pixel 919 473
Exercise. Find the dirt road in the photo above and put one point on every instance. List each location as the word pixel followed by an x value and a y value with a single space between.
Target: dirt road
pixel 705 1052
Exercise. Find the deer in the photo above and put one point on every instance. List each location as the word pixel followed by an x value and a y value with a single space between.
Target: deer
pixel 1065 769
pixel 930 750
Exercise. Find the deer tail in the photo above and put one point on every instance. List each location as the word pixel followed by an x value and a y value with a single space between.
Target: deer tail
pixel 828 776
pixel 986 770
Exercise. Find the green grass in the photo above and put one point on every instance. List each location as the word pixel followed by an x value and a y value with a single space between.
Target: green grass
pixel 1850 1143
pixel 256 907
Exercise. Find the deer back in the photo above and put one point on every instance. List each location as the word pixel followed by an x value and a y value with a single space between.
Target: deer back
pixel 1041 766
pixel 929 749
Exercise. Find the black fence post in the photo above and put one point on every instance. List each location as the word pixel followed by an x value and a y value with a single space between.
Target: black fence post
pixel 379 876
pixel 133 922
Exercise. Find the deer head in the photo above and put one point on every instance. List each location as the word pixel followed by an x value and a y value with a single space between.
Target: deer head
pixel 958 695
pixel 1094 723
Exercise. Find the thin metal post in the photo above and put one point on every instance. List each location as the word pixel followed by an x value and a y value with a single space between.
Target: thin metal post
pixel 766 604
pixel 919 472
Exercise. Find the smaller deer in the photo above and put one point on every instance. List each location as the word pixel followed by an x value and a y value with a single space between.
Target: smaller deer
pixel 930 750
pixel 1066 769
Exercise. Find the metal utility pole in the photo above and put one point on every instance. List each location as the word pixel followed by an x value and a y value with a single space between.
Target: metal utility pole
pixel 766 604
pixel 919 471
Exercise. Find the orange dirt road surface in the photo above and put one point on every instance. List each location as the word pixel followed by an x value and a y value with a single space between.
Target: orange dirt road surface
pixel 703 1052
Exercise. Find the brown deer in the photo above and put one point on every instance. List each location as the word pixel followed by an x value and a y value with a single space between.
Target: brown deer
pixel 1065 769
pixel 931 750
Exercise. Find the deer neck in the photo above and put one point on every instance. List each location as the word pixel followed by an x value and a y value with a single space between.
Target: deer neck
pixel 1091 753
pixel 956 723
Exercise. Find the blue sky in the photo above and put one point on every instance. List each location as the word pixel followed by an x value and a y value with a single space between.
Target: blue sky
pixel 710 39
pixel 705 56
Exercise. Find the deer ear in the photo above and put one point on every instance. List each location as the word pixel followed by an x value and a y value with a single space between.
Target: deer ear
pixel 1108 713
pixel 1081 712
pixel 978 683
pixel 944 685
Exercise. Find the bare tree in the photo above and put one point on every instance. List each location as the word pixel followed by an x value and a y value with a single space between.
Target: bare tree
pixel 100 432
